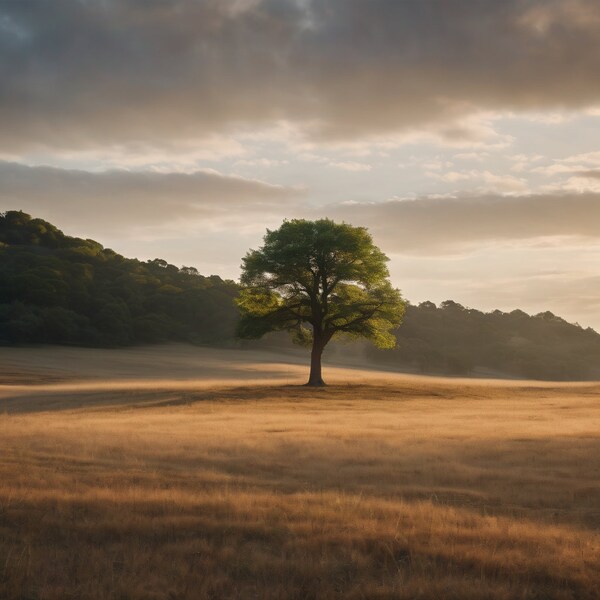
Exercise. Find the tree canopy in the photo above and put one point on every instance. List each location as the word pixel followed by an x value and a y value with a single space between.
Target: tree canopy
pixel 453 339
pixel 318 280
pixel 60 289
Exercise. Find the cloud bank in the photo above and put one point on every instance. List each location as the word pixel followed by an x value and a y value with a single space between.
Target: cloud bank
pixel 118 200
pixel 80 75
pixel 448 224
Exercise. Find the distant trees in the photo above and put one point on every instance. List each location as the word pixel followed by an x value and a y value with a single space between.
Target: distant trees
pixel 453 339
pixel 60 289
pixel 64 290
pixel 318 279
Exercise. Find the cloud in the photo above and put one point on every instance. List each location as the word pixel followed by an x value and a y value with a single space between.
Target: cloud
pixel 79 75
pixel 585 181
pixel 436 165
pixel 505 183
pixel 351 166
pixel 570 164
pixel 594 174
pixel 153 202
pixel 524 162
pixel 581 171
pixel 454 176
pixel 543 18
pixel 476 156
pixel 261 162
pixel 488 181
pixel 126 201
pixel 590 158
pixel 437 225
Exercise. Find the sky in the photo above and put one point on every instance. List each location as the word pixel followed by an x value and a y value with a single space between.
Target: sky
pixel 465 135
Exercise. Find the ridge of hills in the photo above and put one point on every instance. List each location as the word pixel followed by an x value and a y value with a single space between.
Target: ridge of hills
pixel 58 289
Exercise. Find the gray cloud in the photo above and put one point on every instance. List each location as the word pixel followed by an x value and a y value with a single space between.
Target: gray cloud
pixel 593 174
pixel 79 74
pixel 117 200
pixel 441 224
pixel 123 201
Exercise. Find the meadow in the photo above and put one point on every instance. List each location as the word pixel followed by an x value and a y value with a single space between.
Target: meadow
pixel 176 473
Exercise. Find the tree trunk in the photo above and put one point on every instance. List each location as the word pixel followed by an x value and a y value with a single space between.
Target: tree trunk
pixel 315 377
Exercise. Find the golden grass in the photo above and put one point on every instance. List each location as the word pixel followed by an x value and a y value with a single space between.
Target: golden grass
pixel 410 488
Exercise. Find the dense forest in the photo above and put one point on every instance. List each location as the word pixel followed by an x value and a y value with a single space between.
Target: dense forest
pixel 66 290
pixel 453 339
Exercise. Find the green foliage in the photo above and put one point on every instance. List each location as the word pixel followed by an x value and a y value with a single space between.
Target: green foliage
pixel 59 289
pixel 326 275
pixel 457 340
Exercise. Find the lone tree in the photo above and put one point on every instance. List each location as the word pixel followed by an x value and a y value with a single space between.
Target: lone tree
pixel 318 279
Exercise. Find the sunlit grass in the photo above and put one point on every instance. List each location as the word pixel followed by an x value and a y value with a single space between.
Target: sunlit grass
pixel 406 489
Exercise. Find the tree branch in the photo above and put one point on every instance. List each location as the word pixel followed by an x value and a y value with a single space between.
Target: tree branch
pixel 363 317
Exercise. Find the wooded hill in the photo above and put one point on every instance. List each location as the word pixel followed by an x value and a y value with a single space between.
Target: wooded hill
pixel 57 289
pixel 450 338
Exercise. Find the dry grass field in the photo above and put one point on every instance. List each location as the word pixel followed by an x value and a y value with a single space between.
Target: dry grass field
pixel 175 473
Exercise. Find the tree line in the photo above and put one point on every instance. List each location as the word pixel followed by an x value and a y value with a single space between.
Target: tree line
pixel 453 339
pixel 58 289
